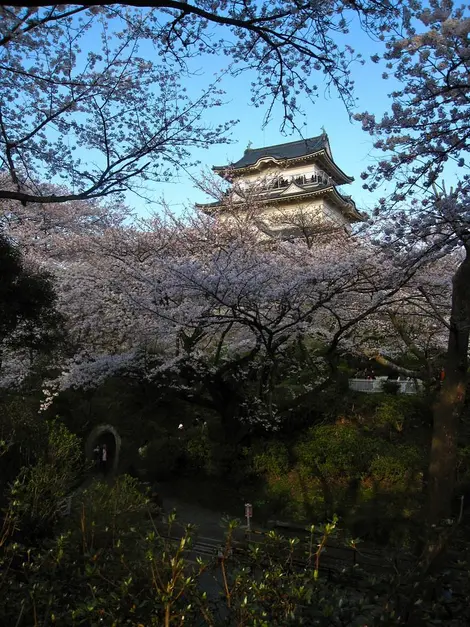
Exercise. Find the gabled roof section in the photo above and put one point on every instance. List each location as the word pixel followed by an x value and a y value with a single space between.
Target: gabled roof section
pixel 291 150
pixel 291 189
pixel 283 155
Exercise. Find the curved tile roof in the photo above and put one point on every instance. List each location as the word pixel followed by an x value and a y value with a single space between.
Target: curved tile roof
pixel 291 150
pixel 344 202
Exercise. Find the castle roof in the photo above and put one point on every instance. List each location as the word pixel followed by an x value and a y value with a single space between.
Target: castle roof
pixel 291 153
pixel 290 150
pixel 294 194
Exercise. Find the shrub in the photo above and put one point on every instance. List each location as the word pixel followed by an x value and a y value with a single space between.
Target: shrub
pixel 37 492
pixel 390 413
pixel 397 465
pixel 104 513
pixel 390 387
pixel 397 411
pixel 198 451
pixel 338 451
pixel 23 437
pixel 273 460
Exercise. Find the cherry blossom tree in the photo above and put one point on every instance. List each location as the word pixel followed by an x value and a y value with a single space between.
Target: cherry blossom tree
pixel 427 128
pixel 94 96
pixel 426 132
pixel 409 333
pixel 29 322
pixel 214 310
pixel 52 242
pixel 211 310
pixel 56 231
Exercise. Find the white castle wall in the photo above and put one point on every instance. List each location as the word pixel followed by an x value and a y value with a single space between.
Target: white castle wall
pixel 281 217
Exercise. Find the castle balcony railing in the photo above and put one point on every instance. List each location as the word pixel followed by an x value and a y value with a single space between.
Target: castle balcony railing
pixel 317 178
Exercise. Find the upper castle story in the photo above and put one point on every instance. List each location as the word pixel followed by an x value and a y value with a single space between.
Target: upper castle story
pixel 286 179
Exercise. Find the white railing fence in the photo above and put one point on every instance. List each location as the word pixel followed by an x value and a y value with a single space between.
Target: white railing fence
pixel 373 386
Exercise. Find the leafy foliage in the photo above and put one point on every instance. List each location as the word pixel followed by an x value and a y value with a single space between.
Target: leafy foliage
pixel 27 299
pixel 141 572
pixel 37 493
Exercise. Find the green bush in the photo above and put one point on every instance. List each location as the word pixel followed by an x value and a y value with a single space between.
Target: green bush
pixel 109 566
pixel 273 460
pixel 400 413
pixel 397 466
pixel 23 436
pixel 104 513
pixel 340 450
pixel 391 413
pixel 198 451
pixel 36 495
pixel 147 579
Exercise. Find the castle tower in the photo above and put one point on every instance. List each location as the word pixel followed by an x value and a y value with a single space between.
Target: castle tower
pixel 286 181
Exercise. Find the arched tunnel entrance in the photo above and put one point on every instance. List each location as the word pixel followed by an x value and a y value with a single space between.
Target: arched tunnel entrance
pixel 104 436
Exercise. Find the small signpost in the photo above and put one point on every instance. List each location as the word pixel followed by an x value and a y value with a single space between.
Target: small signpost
pixel 248 516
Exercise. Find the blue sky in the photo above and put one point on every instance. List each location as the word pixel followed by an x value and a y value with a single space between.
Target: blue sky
pixel 352 148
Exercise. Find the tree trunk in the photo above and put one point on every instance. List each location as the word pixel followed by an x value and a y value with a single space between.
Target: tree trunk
pixel 446 413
